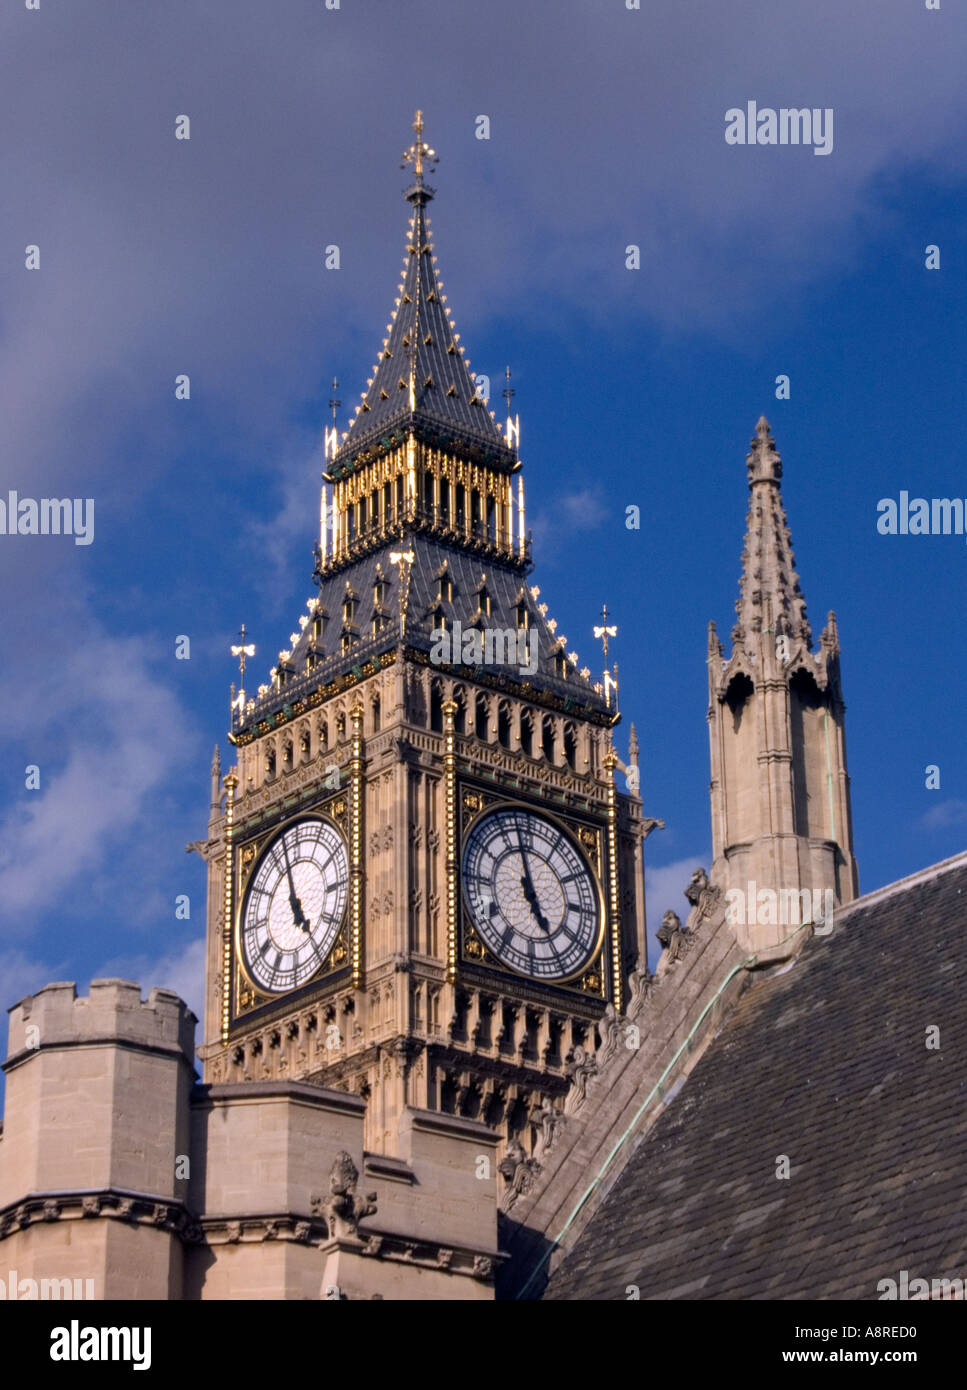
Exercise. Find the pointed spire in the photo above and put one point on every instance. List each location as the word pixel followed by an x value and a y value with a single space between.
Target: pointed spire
pixel 633 747
pixel 216 773
pixel 829 638
pixel 422 379
pixel 770 599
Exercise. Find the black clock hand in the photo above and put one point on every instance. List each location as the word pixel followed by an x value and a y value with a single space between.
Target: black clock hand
pixel 527 883
pixel 298 916
pixel 539 917
pixel 530 892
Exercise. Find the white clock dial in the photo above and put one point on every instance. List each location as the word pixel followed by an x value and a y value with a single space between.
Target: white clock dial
pixel 294 905
pixel 530 894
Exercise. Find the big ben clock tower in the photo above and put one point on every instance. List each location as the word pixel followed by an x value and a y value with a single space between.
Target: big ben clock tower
pixel 425 886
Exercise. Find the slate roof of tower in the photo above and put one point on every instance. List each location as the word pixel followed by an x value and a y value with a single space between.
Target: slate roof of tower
pixel 505 586
pixel 446 400
pixel 825 1062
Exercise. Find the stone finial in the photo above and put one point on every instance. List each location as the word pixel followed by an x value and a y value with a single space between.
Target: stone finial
pixel 714 645
pixel 763 461
pixel 829 638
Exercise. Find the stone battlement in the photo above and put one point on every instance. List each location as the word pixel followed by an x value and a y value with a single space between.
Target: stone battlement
pixel 113 1012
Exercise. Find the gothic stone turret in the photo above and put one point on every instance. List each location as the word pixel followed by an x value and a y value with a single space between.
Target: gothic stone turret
pixel 780 791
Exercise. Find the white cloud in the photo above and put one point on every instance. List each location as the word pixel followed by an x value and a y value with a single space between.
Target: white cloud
pixel 284 540
pixel 21 975
pixel 106 735
pixel 578 511
pixel 181 969
pixel 944 815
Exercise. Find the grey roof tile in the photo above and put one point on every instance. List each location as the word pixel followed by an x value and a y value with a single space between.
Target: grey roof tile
pixel 826 1062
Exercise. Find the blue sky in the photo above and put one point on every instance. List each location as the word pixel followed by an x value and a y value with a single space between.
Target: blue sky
pixel 206 256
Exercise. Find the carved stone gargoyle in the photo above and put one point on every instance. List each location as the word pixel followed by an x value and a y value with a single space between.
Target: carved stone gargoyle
pixel 343 1208
pixel 703 898
pixel 518 1172
pixel 671 935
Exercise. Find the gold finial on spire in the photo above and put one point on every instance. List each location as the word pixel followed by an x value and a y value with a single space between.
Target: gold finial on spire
pixel 418 152
pixel 512 430
pixel 604 632
pixel 403 558
pixel 237 704
pixel 332 432
pixel 242 652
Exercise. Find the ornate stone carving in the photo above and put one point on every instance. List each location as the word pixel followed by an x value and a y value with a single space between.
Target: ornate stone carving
pixel 703 898
pixel 344 1208
pixel 581 1068
pixel 406 1050
pixel 609 1032
pixel 518 1172
pixel 640 983
pixel 550 1122
pixel 673 939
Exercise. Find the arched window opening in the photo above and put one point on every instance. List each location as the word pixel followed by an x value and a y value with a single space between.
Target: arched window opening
pixel 503 726
pixel 436 708
pixel 547 740
pixel 482 720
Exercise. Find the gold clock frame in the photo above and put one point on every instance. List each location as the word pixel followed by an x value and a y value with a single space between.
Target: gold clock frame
pixel 498 803
pixel 249 854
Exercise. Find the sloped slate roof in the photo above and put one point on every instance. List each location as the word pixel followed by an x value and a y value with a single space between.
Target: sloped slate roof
pixel 827 1063
pixel 503 582
pixel 422 329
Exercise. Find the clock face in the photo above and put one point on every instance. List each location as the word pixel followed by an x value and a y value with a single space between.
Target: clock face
pixel 294 905
pixel 530 894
